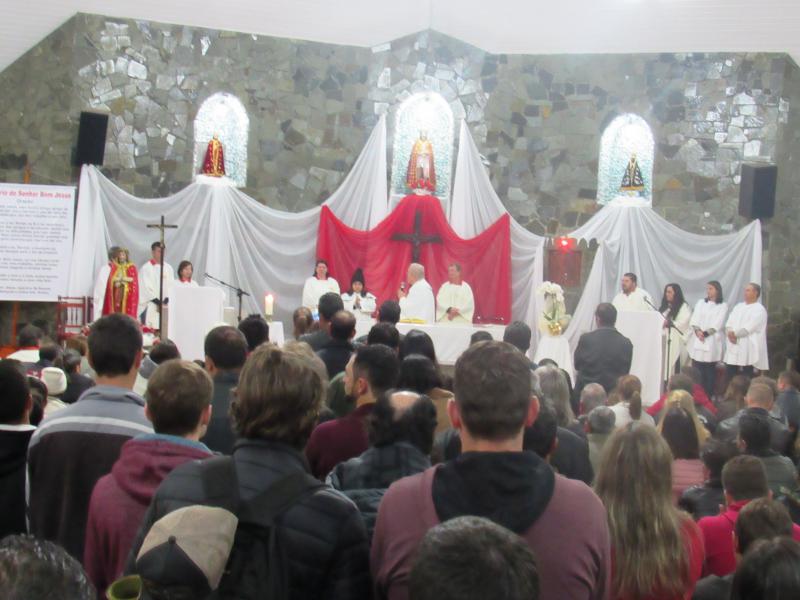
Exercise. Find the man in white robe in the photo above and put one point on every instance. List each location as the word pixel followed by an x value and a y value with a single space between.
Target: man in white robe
pixel 746 331
pixel 149 276
pixel 632 297
pixel 418 304
pixel 101 283
pixel 455 303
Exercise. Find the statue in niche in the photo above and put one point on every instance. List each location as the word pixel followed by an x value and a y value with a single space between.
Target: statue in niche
pixel 632 180
pixel 214 162
pixel 421 174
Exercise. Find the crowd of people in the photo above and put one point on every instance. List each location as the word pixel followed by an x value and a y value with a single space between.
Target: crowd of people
pixel 336 467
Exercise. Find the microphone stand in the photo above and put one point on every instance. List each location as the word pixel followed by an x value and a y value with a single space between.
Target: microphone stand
pixel 666 360
pixel 239 291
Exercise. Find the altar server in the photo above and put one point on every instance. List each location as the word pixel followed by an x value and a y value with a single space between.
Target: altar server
pixel 149 276
pixel 101 283
pixel 677 316
pixel 707 338
pixel 746 331
pixel 358 300
pixel 632 297
pixel 455 303
pixel 418 304
pixel 317 285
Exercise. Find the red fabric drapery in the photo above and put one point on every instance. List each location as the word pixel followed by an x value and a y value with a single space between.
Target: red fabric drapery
pixel 485 260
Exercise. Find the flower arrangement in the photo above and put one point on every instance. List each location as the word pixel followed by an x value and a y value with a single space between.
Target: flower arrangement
pixel 554 318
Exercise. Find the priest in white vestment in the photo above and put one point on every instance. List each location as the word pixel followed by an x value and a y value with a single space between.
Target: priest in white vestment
pixel 149 276
pixel 746 331
pixel 632 297
pixel 418 305
pixel 455 304
pixel 707 338
pixel 318 285
pixel 101 283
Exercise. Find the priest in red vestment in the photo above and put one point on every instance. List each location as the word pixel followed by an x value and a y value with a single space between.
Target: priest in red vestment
pixel 122 290
pixel 214 162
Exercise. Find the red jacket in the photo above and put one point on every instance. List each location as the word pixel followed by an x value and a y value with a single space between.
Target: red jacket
pixel 718 536
pixel 121 498
pixel 336 441
pixel 698 394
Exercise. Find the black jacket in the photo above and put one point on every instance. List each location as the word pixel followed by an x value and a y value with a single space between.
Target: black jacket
pixel 316 340
pixel 602 356
pixel 571 458
pixel 336 354
pixel 76 385
pixel 13 453
pixel 779 434
pixel 703 500
pixel 219 435
pixel 324 535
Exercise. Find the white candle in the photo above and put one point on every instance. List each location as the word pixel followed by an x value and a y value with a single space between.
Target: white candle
pixel 269 304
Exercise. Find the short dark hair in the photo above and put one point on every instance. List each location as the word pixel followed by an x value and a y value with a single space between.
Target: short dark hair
pixel 69 361
pixel 756 287
pixel 114 343
pixel 541 436
pixel 226 346
pixel 518 334
pixel 759 519
pixel 379 365
pixel 632 277
pixel 39 397
pixel 480 336
pixel 418 373
pixel 255 329
pixel 679 381
pixel 769 571
pixel 679 430
pixel 343 325
pixel 493 387
pixel 417 341
pixel 606 314
pixel 329 304
pixel 14 391
pixel 177 393
pixel 415 425
pixel 155 245
pixel 715 453
pixel 164 351
pixel 38 569
pixel 754 431
pixel 389 312
pixel 29 336
pixel 744 478
pixel 472 558
pixel 384 333
pixel 49 352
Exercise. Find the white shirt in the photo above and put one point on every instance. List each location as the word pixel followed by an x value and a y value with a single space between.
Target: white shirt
pixel 749 323
pixel 419 303
pixel 677 340
pixel 366 304
pixel 99 296
pixel 190 283
pixel 314 289
pixel 149 289
pixel 708 316
pixel 455 296
pixel 622 415
pixel 633 301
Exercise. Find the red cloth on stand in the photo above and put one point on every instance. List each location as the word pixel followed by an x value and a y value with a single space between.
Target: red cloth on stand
pixel 485 259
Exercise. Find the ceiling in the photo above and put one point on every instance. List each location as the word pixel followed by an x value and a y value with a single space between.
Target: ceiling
pixel 500 26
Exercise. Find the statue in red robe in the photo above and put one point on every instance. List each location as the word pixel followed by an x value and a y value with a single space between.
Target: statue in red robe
pixel 214 162
pixel 122 290
pixel 421 173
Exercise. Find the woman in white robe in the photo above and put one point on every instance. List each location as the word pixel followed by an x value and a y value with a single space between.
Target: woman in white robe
pixel 677 316
pixel 317 285
pixel 707 338
pixel 358 300
pixel 185 272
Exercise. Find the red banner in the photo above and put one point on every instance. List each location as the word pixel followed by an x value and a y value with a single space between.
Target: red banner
pixel 485 260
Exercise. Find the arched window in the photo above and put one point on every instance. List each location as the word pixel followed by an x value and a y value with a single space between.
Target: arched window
pixel 424 113
pixel 626 136
pixel 222 114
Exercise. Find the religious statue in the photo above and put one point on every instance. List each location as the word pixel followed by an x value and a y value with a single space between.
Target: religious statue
pixel 632 180
pixel 214 162
pixel 122 290
pixel 421 173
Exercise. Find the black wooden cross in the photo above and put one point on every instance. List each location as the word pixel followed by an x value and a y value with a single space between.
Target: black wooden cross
pixel 417 238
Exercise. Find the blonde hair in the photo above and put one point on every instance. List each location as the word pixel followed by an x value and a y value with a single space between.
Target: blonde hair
pixel 634 482
pixel 684 400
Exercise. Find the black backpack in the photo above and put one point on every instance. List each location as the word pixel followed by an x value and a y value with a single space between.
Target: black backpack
pixel 257 566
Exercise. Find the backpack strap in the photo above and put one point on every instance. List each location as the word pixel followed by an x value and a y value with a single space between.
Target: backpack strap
pixel 264 508
pixel 220 483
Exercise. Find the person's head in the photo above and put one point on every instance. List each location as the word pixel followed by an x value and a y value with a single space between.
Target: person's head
pixel 754 432
pixel 29 336
pixel 672 299
pixel 714 291
pixel 402 416
pixel 112 252
pixel 164 351
pixel 592 396
pixel 480 336
pixel 155 251
pixel 255 329
pixel 554 388
pixel 760 396
pixel 386 334
pixel 494 394
pixel 605 315
pixel 518 334
pixel 472 558
pixel 185 270
pixel 115 346
pixel 629 282
pixel 36 569
pixel 343 326
pixel 679 381
pixel 77 343
pixel 278 398
pixel 744 478
pixel 715 454
pixel 601 420
pixel 225 348
pixel 38 399
pixel 737 390
pixel 69 362
pixel 321 269
pixel 693 374
pixel 454 273
pixel 357 285
pixel 371 371
pixel 634 482
pixel 302 319
pixel 761 519
pixel 178 399
pixel 15 393
pixel 767 381
pixel 679 431
pixel 329 304
pixel 769 571
pixel 752 292
pixel 48 353
pixel 122 256
pixel 629 389
pixel 418 373
pixel 416 272
pixel 389 312
pixel 542 436
pixel 788 380
pixel 417 341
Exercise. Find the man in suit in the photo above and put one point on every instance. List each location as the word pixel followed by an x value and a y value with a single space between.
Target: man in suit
pixel 602 355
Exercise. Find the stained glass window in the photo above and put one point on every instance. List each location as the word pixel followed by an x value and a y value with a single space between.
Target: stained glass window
pixel 428 113
pixel 222 114
pixel 626 136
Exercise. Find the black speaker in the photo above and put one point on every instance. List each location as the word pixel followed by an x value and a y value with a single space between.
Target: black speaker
pixel 757 191
pixel 91 139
